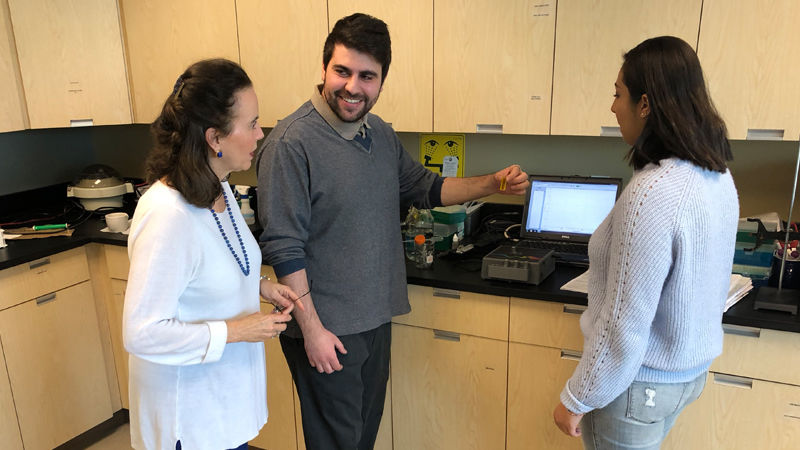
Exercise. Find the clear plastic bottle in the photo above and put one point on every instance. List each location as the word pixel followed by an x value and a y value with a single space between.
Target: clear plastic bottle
pixel 423 249
pixel 425 223
pixel 418 221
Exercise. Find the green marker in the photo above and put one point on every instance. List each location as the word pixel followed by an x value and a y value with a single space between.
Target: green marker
pixel 55 226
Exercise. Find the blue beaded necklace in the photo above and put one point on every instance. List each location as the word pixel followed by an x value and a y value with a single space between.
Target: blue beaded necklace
pixel 245 270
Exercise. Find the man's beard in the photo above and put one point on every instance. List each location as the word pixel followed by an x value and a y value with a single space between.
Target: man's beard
pixel 333 102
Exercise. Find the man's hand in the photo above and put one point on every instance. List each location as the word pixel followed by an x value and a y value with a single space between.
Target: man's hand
pixel 321 346
pixel 567 422
pixel 511 180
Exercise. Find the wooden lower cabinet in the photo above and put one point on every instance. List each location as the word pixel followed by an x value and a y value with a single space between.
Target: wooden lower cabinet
pixel 448 390
pixel 56 366
pixel 385 438
pixel 9 427
pixel 536 376
pixel 750 414
pixel 279 432
pixel 739 413
pixel 115 325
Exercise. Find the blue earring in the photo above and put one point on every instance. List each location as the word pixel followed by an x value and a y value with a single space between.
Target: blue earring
pixel 219 154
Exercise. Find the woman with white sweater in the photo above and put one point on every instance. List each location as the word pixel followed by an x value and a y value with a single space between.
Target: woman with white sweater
pixel 192 322
pixel 660 263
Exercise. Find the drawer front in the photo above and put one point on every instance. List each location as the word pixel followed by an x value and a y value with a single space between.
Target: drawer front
pixel 758 353
pixel 447 393
pixel 548 324
pixel 117 261
pixel 751 414
pixel 42 276
pixel 56 367
pixel 536 376
pixel 457 311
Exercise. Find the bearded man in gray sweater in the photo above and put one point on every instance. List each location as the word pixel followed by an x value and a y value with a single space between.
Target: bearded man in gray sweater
pixel 331 178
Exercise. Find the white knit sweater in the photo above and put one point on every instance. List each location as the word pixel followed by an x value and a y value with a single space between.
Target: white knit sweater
pixel 185 382
pixel 660 267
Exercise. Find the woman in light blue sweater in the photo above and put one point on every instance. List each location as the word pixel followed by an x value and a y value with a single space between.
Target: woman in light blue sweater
pixel 660 262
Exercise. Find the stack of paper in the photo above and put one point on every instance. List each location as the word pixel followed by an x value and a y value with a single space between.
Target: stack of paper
pixel 740 286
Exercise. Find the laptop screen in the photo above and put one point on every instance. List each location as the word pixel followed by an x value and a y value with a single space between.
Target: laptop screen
pixel 567 208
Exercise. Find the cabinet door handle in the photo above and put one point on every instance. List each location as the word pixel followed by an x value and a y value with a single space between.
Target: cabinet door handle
pixel 45 298
pixel 574 309
pixel 81 122
pixel 571 355
pixel 446 293
pixel 447 335
pixel 610 131
pixel 489 128
pixel 733 381
pixel 739 330
pixel 756 134
pixel 39 263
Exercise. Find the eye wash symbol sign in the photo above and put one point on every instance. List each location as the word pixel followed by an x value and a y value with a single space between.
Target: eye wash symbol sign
pixel 442 153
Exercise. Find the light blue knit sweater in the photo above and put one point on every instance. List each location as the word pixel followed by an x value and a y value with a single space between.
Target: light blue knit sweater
pixel 660 267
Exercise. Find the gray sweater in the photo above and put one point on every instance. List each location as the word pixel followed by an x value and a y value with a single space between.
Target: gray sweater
pixel 331 206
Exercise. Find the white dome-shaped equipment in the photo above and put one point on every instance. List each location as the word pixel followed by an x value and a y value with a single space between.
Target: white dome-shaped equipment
pixel 99 186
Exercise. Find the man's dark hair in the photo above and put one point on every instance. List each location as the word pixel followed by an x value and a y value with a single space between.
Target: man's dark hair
pixel 683 122
pixel 202 98
pixel 363 33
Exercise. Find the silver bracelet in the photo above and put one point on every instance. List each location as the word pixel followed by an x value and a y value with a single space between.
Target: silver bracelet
pixel 264 277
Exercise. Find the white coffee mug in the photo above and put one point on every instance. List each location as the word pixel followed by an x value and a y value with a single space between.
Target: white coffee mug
pixel 117 222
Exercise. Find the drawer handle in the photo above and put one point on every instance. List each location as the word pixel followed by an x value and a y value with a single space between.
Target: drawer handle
pixel 447 335
pixel 739 330
pixel 39 263
pixel 446 293
pixel 574 309
pixel 733 381
pixel 45 298
pixel 572 355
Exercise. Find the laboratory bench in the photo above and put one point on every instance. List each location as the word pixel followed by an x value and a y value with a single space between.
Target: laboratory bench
pixel 447 273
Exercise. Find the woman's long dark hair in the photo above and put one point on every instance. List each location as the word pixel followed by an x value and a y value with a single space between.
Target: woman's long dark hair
pixel 683 122
pixel 202 98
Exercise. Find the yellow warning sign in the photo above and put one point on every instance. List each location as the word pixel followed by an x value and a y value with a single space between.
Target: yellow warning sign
pixel 442 153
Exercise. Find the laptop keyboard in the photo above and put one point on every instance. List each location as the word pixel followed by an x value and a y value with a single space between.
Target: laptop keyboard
pixel 557 247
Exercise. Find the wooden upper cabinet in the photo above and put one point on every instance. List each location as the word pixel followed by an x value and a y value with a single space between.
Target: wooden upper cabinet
pixel 406 100
pixel 750 52
pixel 71 61
pixel 163 38
pixel 591 38
pixel 13 115
pixel 281 48
pixel 493 64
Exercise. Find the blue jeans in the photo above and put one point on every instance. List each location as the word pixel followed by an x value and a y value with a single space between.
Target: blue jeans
pixel 640 417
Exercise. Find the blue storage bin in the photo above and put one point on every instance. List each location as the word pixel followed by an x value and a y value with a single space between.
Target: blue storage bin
pixel 761 256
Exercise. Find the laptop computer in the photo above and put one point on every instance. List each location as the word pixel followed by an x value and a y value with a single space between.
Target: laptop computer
pixel 562 212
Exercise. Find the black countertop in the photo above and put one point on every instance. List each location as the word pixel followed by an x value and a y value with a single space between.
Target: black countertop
pixel 26 250
pixel 446 273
